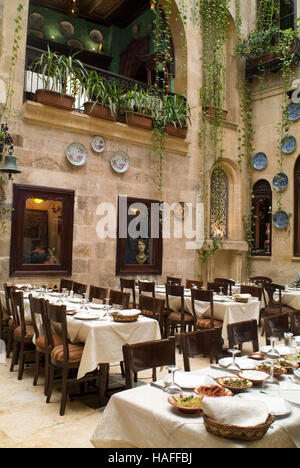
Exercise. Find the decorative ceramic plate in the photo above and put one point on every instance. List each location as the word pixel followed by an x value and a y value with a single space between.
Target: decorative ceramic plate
pixel 77 154
pixel 75 44
pixel 98 144
pixel 288 144
pixel 96 36
pixel 281 219
pixel 120 162
pixel 260 161
pixel 66 29
pixel 293 111
pixel 280 182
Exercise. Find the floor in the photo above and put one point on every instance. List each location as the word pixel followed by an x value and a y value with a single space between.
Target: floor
pixel 26 421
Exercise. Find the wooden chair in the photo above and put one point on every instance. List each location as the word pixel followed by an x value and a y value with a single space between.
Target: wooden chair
pixel 129 284
pixel 260 280
pixel 98 293
pixel 23 346
pixel 11 325
pixel 147 287
pixel 276 325
pixel 226 281
pixel 174 281
pixel 66 284
pixel 79 288
pixel 147 355
pixel 255 291
pixel 274 306
pixel 189 284
pixel 295 322
pixel 201 342
pixel 65 357
pixel 119 298
pixel 204 296
pixel 243 332
pixel 42 340
pixel 218 287
pixel 177 319
pixel 153 308
pixel 4 326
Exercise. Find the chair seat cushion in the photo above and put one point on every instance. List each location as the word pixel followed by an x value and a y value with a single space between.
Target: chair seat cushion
pixel 40 342
pixel 206 323
pixel 176 317
pixel 277 310
pixel 75 353
pixel 148 313
pixel 29 332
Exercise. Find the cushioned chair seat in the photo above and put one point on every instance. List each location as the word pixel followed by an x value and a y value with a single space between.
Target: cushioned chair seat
pixel 206 323
pixel 75 353
pixel 40 342
pixel 29 332
pixel 277 311
pixel 176 317
pixel 148 313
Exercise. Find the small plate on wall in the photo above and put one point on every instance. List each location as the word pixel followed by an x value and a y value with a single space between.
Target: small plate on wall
pixel 293 111
pixel 77 154
pixel 260 161
pixel 280 182
pixel 120 162
pixel 98 144
pixel 281 219
pixel 288 144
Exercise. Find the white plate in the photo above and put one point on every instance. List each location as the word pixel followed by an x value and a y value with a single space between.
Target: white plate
pixel 188 380
pixel 282 350
pixel 244 363
pixel 96 306
pixel 98 144
pixel 120 162
pixel 75 300
pixel 85 316
pixel 278 406
pixel 76 154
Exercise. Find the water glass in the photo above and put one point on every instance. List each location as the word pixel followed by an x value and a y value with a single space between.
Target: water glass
pixel 170 386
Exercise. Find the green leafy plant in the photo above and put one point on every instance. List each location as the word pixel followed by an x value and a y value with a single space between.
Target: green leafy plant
pixel 140 101
pixel 175 110
pixel 104 92
pixel 295 283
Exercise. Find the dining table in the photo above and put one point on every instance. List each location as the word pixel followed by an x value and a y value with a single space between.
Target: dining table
pixel 142 417
pixel 291 297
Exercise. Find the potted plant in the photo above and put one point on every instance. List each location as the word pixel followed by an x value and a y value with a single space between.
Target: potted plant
pixel 138 105
pixel 176 113
pixel 104 96
pixel 61 77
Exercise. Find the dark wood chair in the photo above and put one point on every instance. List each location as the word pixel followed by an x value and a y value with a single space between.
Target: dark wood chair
pixel 119 298
pixel 99 293
pixel 174 281
pixel 243 332
pixel 218 287
pixel 229 282
pixel 153 308
pixel 255 291
pixel 276 325
pixel 189 284
pixel 11 325
pixel 274 306
pixel 201 342
pixel 260 280
pixel 4 324
pixel 66 284
pixel 65 357
pixel 204 296
pixel 79 288
pixel 295 322
pixel 23 347
pixel 174 319
pixel 147 355
pixel 127 283
pixel 147 287
pixel 42 339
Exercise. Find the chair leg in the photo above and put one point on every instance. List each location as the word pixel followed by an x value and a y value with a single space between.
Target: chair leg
pixel 64 391
pixel 46 374
pixel 9 342
pixel 50 383
pixel 22 362
pixel 13 360
pixel 36 367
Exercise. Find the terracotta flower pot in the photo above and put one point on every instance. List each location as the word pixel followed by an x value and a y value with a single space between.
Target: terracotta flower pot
pixel 138 120
pixel 211 112
pixel 99 111
pixel 176 131
pixel 52 98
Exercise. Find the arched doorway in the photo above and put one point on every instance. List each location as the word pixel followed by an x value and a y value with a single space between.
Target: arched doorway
pixel 262 218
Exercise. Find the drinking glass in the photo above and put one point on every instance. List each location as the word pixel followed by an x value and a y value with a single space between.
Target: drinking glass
pixel 106 307
pixel 65 294
pixel 272 357
pixel 221 293
pixel 234 352
pixel 274 351
pixel 171 387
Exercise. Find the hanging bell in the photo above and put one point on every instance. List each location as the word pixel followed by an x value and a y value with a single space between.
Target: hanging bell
pixel 10 166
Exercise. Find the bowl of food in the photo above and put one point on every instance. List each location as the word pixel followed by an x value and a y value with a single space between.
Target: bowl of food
pixel 255 376
pixel 292 357
pixel 235 384
pixel 288 365
pixel 213 391
pixel 266 367
pixel 186 402
pixel 257 356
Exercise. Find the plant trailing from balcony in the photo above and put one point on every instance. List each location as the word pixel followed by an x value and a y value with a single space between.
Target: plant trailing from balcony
pixel 104 96
pixel 139 104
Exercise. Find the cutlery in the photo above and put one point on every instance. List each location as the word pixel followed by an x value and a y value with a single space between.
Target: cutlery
pixel 215 366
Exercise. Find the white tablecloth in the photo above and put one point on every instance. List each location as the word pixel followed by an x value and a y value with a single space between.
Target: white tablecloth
pixel 291 298
pixel 143 418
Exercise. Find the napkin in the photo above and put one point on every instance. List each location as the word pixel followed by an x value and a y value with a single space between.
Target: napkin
pixel 228 410
pixel 129 312
pixel 242 296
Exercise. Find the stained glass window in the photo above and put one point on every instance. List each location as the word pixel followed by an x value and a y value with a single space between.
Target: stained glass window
pixel 219 204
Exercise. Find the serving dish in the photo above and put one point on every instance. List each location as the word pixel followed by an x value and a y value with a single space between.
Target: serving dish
pixel 257 356
pixel 288 365
pixel 288 144
pixel 235 384
pixel 255 376
pixel 292 357
pixel 120 162
pixel 266 367
pixel 182 402
pixel 86 316
pixel 213 391
pixel 259 161
pixel 119 317
pixel 77 154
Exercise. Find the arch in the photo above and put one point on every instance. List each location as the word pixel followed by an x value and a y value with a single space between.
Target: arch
pixel 219 200
pixel 262 218
pixel 297 207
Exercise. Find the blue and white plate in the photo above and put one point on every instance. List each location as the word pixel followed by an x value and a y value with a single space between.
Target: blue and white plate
pixel 293 111
pixel 288 144
pixel 280 182
pixel 259 161
pixel 281 219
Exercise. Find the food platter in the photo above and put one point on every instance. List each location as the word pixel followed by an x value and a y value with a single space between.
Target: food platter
pixel 255 376
pixel 213 391
pixel 235 384
pixel 188 403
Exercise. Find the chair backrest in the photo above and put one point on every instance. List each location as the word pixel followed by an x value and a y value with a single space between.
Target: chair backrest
pixel 193 284
pixel 204 296
pixel 276 325
pixel 119 298
pixel 66 284
pixel 255 291
pixel 152 304
pixel 174 281
pixel 295 322
pixel 96 292
pixel 38 307
pixel 201 342
pixel 127 283
pixel 243 332
pixel 147 286
pixel 57 315
pixel 227 281
pixel 8 290
pixel 18 311
pixel 271 289
pixel 79 288
pixel 218 287
pixel 260 280
pixel 147 355
pixel 176 291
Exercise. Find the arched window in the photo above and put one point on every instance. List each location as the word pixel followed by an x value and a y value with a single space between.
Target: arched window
pixel 219 196
pixel 297 208
pixel 262 218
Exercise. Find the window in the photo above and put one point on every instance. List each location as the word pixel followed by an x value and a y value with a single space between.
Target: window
pixel 262 218
pixel 42 231
pixel 219 204
pixel 288 10
pixel 297 208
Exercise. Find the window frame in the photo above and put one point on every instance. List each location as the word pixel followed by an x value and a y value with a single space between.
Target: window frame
pixel 266 193
pixel 297 208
